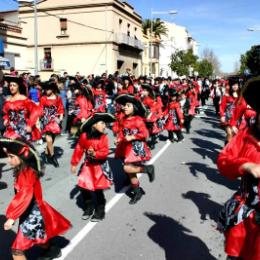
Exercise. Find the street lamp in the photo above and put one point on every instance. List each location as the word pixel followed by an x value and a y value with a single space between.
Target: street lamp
pixel 170 12
pixel 34 3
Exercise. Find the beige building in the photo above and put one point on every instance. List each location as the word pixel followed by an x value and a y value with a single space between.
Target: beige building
pixel 84 36
pixel 12 41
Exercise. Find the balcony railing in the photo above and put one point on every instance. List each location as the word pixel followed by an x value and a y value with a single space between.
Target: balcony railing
pixel 11 28
pixel 47 65
pixel 122 38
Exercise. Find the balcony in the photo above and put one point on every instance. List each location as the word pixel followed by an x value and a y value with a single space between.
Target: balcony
pixel 46 65
pixel 124 39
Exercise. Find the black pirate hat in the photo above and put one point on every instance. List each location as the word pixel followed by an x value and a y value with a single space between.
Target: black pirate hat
pixel 18 81
pixel 24 150
pixel 149 88
pixel 251 93
pixel 51 85
pixel 106 117
pixel 126 98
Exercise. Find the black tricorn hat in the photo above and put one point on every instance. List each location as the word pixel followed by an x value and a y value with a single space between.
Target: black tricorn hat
pixel 251 93
pixel 149 88
pixel 126 98
pixel 18 81
pixel 106 117
pixel 50 85
pixel 24 150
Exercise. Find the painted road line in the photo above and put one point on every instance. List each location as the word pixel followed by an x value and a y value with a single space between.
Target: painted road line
pixel 90 225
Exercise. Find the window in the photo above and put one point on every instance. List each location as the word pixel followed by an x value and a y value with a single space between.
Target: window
pixel 119 64
pixel 63 25
pixel 47 60
pixel 120 21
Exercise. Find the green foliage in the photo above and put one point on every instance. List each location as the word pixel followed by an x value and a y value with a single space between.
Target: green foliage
pixel 181 61
pixel 204 68
pixel 251 60
pixel 158 27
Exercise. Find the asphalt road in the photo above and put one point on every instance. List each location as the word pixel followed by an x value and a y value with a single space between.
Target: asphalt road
pixel 176 219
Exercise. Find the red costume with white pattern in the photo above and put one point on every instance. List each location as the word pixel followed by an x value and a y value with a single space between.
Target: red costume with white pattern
pixel 99 100
pixel 92 175
pixel 83 108
pixel 50 110
pixel 226 108
pixel 136 150
pixel 20 114
pixel 243 239
pixel 28 193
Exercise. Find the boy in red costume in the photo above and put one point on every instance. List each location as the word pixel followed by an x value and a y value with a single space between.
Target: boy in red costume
pixel 38 221
pixel 95 174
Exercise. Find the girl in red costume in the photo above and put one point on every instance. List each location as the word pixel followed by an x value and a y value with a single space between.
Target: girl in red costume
pixel 240 217
pixel 174 116
pixel 20 113
pixel 127 86
pixel 51 111
pixel 227 106
pixel 95 174
pixel 131 143
pixel 38 221
pixel 99 95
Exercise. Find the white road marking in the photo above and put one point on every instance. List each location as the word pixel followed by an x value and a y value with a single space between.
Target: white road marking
pixel 90 225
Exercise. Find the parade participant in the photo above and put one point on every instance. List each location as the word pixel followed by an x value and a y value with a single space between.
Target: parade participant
pixel 95 174
pixel 227 108
pixel 99 95
pixel 240 217
pixel 20 113
pixel 174 116
pixel 185 107
pixel 216 95
pixel 38 221
pixel 127 86
pixel 131 143
pixel 51 115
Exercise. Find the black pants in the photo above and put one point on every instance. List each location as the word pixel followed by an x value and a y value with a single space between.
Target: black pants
pixel 178 133
pixel 97 196
pixel 216 104
pixel 187 122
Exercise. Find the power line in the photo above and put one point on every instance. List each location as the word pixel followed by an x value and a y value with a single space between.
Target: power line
pixel 71 21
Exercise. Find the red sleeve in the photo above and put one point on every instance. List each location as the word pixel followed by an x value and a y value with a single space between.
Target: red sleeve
pixel 103 148
pixel 78 151
pixel 229 161
pixel 238 112
pixel 83 104
pixel 222 106
pixel 143 132
pixel 60 108
pixel 23 197
pixel 34 113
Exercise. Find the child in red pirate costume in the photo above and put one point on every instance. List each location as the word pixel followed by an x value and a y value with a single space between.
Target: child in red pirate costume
pixel 243 115
pixel 240 217
pixel 174 116
pixel 20 113
pixel 38 221
pixel 127 86
pixel 131 143
pixel 149 101
pixel 51 113
pixel 227 106
pixel 95 174
pixel 99 95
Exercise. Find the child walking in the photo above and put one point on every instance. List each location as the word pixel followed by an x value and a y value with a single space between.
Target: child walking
pixel 95 174
pixel 131 143
pixel 38 221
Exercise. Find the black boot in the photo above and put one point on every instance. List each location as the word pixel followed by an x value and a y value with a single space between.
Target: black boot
pixel 51 253
pixel 88 211
pixel 54 161
pixel 137 195
pixel 99 214
pixel 149 169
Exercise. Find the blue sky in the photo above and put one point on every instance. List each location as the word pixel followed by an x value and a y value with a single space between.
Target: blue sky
pixel 220 25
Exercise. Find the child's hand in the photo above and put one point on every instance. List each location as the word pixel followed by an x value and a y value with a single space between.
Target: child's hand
pixel 28 129
pixel 129 138
pixel 182 121
pixel 91 151
pixel 8 224
pixel 73 169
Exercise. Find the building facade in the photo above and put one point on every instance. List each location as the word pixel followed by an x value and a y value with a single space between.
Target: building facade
pixel 85 36
pixel 178 38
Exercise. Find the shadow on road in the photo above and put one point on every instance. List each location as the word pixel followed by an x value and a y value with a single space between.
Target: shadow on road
pixel 176 240
pixel 212 175
pixel 205 205
pixel 211 134
pixel 6 240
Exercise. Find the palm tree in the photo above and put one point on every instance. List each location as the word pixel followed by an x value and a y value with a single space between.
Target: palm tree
pixel 158 27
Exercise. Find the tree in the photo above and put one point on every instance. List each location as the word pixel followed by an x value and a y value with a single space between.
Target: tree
pixel 182 61
pixel 208 54
pixel 252 60
pixel 158 27
pixel 204 68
